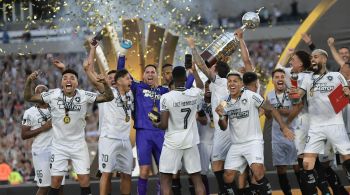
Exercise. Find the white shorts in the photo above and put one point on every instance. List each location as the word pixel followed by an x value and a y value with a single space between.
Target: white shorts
pixel 328 154
pixel 78 153
pixel 300 132
pixel 115 155
pixel 41 163
pixel 336 135
pixel 205 152
pixel 241 155
pixel 284 154
pixel 170 160
pixel 221 145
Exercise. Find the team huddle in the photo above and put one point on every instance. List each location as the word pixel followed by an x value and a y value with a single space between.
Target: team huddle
pixel 186 129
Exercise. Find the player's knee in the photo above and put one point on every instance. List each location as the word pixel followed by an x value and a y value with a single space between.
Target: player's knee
pixel 56 181
pixel 308 163
pixel 144 172
pixel 229 176
pixel 125 176
pixel 43 190
pixel 84 180
pixel 258 171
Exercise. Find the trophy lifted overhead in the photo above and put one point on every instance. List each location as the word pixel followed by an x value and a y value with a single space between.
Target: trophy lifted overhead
pixel 226 44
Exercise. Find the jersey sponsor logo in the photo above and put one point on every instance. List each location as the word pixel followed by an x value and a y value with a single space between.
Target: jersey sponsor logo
pixel 151 94
pixel 323 87
pixel 238 114
pixel 70 106
pixel 186 103
pixel 90 94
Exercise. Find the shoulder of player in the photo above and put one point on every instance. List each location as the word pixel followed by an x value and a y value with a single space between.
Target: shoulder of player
pixel 252 94
pixel 270 94
pixel 29 111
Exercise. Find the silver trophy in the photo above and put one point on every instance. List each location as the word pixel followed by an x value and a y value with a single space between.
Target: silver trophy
pixel 226 44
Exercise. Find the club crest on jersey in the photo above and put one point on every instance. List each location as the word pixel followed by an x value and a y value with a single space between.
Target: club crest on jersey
pixel 244 101
pixel 77 99
pixel 330 78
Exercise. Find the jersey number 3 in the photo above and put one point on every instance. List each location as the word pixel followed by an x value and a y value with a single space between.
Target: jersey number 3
pixel 188 112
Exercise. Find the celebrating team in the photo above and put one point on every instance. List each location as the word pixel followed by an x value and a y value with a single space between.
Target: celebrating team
pixel 182 126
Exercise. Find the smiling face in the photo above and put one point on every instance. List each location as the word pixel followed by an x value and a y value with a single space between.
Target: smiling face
pixel 279 81
pixel 234 85
pixel 318 61
pixel 69 83
pixel 344 54
pixel 150 76
pixel 207 93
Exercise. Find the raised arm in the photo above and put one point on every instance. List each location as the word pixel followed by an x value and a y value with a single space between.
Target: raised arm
pixel 107 94
pixel 334 51
pixel 89 68
pixel 199 60
pixel 244 51
pixel 28 90
pixel 308 41
pixel 26 133
pixel 197 79
pixel 284 61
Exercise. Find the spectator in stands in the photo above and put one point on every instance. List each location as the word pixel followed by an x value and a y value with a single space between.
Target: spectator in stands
pixel 5 170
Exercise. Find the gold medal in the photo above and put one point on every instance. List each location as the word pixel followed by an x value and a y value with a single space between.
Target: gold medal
pixel 212 124
pixel 127 118
pixel 66 119
pixel 155 108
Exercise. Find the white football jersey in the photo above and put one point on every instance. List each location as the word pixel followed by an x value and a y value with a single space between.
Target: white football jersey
pixel 283 102
pixel 319 106
pixel 206 132
pixel 243 117
pixel 74 131
pixel 219 92
pixel 182 129
pixel 112 122
pixel 34 119
pixel 303 115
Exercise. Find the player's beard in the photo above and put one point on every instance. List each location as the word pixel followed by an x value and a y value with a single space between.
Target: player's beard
pixel 316 68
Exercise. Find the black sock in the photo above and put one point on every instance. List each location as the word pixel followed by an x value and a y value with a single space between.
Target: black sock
pixel 191 187
pixel 308 180
pixel 284 184
pixel 219 175
pixel 322 183
pixel 263 186
pixel 85 190
pixel 297 175
pixel 206 183
pixel 334 182
pixel 54 191
pixel 245 191
pixel 229 189
pixel 176 186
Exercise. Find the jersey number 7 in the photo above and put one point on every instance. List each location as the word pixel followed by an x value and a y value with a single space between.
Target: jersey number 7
pixel 188 112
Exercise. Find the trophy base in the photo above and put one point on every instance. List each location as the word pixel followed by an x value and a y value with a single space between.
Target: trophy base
pixel 208 58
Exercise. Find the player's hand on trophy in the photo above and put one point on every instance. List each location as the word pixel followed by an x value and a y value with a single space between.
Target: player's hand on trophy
pixel 289 134
pixel 101 79
pixel 58 64
pixel 306 38
pixel 330 42
pixel 190 41
pixel 220 109
pixel 239 33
